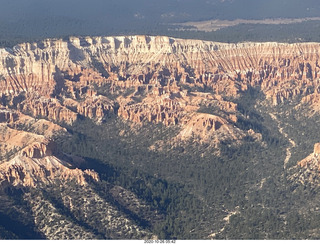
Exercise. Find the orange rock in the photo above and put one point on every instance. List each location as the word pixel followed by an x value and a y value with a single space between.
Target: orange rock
pixel 49 108
pixel 210 129
pixel 162 72
pixel 26 171
pixel 316 150
pixel 39 149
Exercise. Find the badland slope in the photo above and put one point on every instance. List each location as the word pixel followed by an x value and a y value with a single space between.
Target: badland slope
pixel 197 89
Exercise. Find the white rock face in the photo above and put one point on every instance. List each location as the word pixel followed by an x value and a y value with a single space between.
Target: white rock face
pixel 33 66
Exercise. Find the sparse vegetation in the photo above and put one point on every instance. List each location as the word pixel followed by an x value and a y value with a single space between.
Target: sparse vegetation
pixel 151 183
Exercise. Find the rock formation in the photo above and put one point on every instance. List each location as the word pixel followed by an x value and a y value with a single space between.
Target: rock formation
pixel 38 150
pixel 313 159
pixel 28 156
pixel 309 168
pixel 96 107
pixel 190 84
pixel 195 87
pixel 316 150
pixel 149 63
pixel 48 108
pixel 52 66
pixel 32 171
pixel 210 129
pixel 153 109
pixel 153 78
pixel 35 164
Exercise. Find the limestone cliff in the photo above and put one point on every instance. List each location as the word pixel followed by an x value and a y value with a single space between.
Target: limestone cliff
pixel 153 79
pixel 49 67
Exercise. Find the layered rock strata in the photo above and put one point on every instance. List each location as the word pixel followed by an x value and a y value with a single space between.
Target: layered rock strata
pixel 133 61
pixel 48 108
pixel 27 153
pixel 153 78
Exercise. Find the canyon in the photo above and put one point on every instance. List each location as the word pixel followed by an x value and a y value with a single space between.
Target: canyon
pixel 206 95
pixel 152 78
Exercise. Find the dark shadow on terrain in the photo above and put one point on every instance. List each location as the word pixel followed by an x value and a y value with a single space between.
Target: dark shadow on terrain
pixel 58 204
pixel 22 231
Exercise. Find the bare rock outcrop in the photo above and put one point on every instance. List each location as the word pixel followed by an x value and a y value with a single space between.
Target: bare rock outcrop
pixel 161 110
pixel 22 132
pixel 26 171
pixel 153 79
pixel 312 157
pixel 310 168
pixel 316 150
pixel 48 108
pixel 211 129
pixel 38 149
pixel 96 107
pixel 27 157
pixel 52 65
